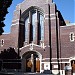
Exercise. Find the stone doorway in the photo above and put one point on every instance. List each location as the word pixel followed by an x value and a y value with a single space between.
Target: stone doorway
pixel 31 62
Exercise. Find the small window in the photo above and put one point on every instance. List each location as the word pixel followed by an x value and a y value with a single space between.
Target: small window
pixel 71 36
pixel 2 42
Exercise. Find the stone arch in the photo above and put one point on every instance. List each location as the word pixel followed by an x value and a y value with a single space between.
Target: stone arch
pixel 25 13
pixel 39 54
pixel 31 28
pixel 31 57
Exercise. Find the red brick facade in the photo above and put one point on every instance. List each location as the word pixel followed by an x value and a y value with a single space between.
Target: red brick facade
pixel 57 49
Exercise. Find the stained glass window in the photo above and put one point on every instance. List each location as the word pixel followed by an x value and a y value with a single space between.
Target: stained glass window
pixel 42 27
pixel 34 20
pixel 26 29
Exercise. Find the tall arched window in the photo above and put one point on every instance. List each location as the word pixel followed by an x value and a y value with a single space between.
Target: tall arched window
pixel 34 17
pixel 26 29
pixel 42 27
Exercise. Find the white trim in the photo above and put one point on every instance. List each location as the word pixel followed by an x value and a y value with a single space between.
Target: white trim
pixel 52 14
pixel 46 14
pixel 15 24
pixel 69 25
pixel 46 18
pixel 24 46
pixel 32 45
pixel 55 66
pixel 69 60
pixel 53 18
pixel 55 58
pixel 71 40
pixel 60 62
pixel 43 47
pixel 60 58
pixel 56 62
pixel 45 58
pixel 6 33
pixel 55 72
pixel 15 20
pixel 45 62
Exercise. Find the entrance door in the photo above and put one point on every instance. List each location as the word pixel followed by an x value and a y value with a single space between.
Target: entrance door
pixel 33 66
pixel 32 62
pixel 37 65
pixel 28 65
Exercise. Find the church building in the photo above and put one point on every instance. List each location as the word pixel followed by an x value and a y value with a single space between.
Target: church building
pixel 41 37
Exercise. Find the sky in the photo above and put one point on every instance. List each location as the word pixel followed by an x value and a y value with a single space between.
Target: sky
pixel 66 7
